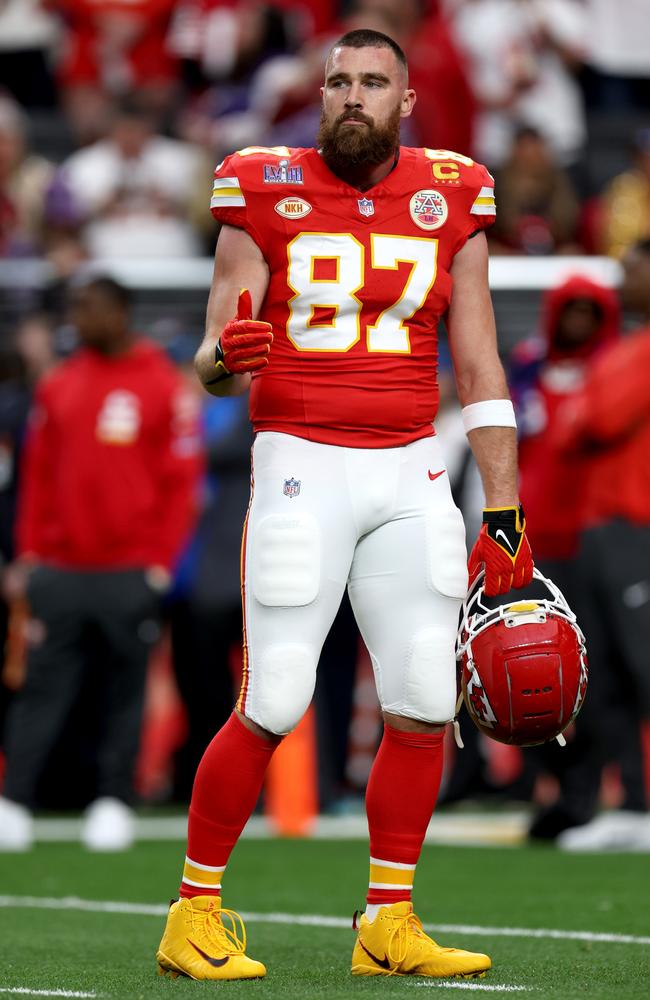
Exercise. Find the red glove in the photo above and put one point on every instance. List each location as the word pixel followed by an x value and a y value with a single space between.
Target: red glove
pixel 244 344
pixel 503 549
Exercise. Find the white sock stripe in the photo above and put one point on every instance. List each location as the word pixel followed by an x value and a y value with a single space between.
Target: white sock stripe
pixel 388 885
pixel 392 864
pixel 204 868
pixel 201 885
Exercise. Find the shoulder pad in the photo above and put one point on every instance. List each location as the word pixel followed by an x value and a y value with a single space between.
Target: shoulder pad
pixel 247 169
pixel 449 166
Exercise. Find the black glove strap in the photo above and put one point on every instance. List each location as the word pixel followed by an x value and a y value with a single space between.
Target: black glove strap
pixel 505 516
pixel 222 371
pixel 506 527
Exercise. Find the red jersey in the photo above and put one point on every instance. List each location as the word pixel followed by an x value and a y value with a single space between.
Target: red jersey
pixel 358 282
pixel 112 463
pixel 612 425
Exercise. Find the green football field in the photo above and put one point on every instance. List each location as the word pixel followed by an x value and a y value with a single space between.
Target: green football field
pixel 556 926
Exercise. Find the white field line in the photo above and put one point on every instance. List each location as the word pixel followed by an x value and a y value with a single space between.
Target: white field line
pixel 475 829
pixel 312 919
pixel 25 991
pixel 475 986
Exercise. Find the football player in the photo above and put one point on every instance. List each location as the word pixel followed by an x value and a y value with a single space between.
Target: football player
pixel 348 255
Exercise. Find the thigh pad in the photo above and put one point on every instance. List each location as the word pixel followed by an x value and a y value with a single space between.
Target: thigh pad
pixel 285 560
pixel 446 553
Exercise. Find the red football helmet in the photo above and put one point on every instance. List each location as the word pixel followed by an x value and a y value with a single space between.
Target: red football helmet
pixel 524 665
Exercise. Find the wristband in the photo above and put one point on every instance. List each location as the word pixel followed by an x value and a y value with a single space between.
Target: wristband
pixel 489 413
pixel 222 371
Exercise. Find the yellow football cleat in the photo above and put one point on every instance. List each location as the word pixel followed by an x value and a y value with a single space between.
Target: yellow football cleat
pixel 394 944
pixel 198 944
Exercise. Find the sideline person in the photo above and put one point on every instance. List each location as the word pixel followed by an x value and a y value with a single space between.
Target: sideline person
pixel 106 498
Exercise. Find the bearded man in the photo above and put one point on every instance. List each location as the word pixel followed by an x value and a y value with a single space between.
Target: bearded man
pixel 338 263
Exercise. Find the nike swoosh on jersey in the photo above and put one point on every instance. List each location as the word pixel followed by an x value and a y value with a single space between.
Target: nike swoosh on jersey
pixel 434 475
pixel 383 963
pixel 500 531
pixel 216 962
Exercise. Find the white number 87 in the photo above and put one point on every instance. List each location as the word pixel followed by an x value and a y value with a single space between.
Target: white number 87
pixel 324 311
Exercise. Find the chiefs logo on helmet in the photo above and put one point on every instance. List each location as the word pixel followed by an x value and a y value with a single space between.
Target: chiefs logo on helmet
pixel 523 665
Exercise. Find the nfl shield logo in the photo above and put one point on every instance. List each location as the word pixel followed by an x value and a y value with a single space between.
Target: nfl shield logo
pixel 291 487
pixel 366 206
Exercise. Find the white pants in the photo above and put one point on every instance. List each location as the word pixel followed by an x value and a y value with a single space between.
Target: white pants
pixel 377 520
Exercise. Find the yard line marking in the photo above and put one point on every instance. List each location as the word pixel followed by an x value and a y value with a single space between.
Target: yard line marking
pixel 44 993
pixel 322 921
pixel 314 919
pixel 506 829
pixel 475 986
pixel 86 905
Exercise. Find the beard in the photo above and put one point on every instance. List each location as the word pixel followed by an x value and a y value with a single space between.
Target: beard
pixel 345 147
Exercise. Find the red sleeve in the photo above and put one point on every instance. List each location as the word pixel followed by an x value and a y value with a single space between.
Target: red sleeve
pixel 230 199
pixel 474 185
pixel 483 209
pixel 617 395
pixel 180 466
pixel 36 512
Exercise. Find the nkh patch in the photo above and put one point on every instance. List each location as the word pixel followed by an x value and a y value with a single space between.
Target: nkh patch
pixel 428 209
pixel 282 173
pixel 293 208
pixel 366 206
pixel 291 487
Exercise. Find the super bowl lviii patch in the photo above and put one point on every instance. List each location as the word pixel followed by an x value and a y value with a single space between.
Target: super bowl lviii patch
pixel 428 209
pixel 282 173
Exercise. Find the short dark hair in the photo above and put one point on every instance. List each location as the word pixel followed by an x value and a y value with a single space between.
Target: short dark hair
pixel 362 38
pixel 111 289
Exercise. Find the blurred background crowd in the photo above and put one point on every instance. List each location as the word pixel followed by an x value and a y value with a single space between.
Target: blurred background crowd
pixel 113 116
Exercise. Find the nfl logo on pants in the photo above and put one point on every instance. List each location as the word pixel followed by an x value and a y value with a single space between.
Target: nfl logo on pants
pixel 291 487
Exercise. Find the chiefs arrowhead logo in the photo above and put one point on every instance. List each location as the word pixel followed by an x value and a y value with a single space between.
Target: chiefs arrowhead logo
pixel 478 700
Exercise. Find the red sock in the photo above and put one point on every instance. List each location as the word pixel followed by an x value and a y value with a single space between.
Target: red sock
pixel 226 788
pixel 400 798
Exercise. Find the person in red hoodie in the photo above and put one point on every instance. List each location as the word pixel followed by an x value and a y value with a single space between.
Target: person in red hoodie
pixel 607 427
pixel 580 317
pixel 106 501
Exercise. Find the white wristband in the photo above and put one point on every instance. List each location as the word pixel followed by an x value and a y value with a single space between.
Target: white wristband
pixel 489 413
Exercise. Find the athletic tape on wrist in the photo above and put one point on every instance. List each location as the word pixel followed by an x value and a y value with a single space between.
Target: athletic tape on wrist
pixel 489 413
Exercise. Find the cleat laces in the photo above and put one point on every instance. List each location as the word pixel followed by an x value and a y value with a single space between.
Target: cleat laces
pixel 398 938
pixel 209 923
